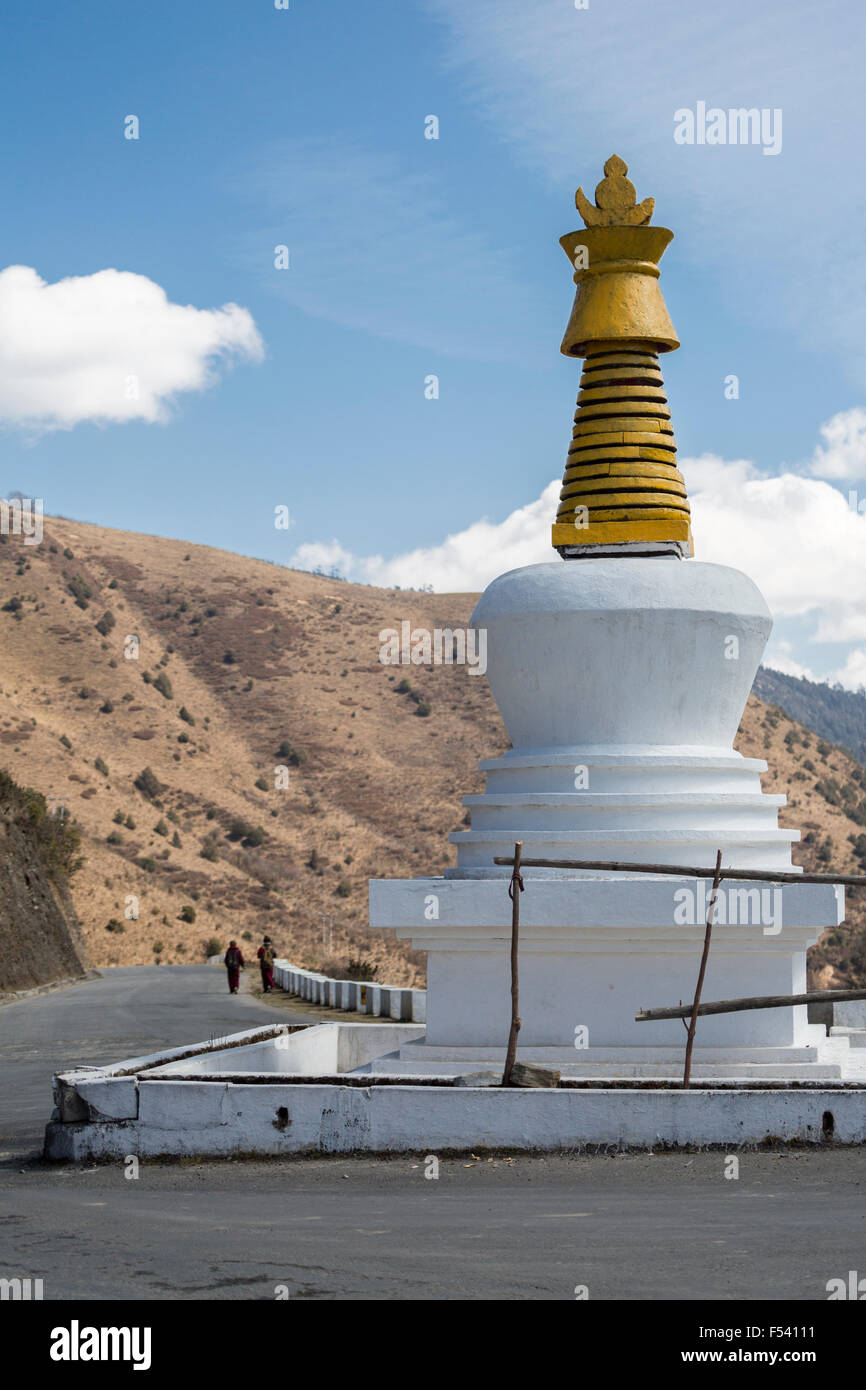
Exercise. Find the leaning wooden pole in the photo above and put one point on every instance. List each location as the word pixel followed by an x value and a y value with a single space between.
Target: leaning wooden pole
pixel 686 871
pixel 756 1001
pixel 693 1021
pixel 515 888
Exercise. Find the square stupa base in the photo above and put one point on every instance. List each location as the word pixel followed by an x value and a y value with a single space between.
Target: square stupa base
pixel 593 952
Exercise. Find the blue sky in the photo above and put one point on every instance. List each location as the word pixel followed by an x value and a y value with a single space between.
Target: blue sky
pixel 411 257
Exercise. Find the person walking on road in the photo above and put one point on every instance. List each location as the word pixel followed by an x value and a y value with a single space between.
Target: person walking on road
pixel 266 964
pixel 234 964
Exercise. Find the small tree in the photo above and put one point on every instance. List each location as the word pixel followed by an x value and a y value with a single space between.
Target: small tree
pixel 148 784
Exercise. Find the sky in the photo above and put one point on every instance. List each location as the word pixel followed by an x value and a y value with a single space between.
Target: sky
pixel 232 260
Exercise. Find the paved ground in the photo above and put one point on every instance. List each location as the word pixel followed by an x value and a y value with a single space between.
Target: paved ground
pixel 628 1227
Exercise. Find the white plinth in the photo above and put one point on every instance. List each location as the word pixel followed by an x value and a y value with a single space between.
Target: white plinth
pixel 594 951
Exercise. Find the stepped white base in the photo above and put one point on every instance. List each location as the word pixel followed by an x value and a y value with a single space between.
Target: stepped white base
pixel 823 1060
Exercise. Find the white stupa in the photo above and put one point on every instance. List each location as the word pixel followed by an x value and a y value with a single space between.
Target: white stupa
pixel 621 671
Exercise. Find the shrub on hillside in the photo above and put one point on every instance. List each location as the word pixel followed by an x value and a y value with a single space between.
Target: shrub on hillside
pixel 148 784
pixel 295 756
pixel 239 828
pixel 80 591
pixel 57 836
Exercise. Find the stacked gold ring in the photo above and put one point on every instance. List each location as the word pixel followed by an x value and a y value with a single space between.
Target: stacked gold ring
pixel 621 482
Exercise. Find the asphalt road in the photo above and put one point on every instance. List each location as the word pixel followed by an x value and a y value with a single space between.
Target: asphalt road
pixel 634 1226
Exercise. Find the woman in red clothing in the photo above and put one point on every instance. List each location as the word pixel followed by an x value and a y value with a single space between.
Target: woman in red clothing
pixel 234 963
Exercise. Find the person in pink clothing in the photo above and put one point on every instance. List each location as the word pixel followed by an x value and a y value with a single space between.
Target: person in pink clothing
pixel 266 964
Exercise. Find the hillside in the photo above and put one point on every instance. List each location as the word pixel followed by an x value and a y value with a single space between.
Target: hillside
pixel 40 936
pixel 167 761
pixel 237 659
pixel 837 715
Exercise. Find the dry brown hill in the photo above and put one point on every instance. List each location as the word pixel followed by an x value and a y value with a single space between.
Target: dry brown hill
pixel 238 660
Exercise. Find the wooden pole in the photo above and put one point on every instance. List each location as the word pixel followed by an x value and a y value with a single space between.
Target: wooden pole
pixel 515 888
pixel 693 1021
pixel 762 1001
pixel 684 871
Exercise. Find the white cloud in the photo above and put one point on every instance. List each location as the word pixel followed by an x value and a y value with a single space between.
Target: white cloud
pixel 464 562
pixel 843 453
pixel 853 674
pixel 797 537
pixel 108 347
pixel 779 658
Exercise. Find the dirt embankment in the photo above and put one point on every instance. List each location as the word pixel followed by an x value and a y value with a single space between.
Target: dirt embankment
pixel 40 935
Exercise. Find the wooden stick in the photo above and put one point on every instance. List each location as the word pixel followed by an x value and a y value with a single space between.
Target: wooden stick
pixel 763 1001
pixel 683 871
pixel 515 888
pixel 693 1021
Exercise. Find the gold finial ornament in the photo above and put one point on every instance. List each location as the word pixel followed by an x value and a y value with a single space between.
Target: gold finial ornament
pixel 616 202
pixel 621 493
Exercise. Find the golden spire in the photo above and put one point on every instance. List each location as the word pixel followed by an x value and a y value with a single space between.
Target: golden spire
pixel 622 492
